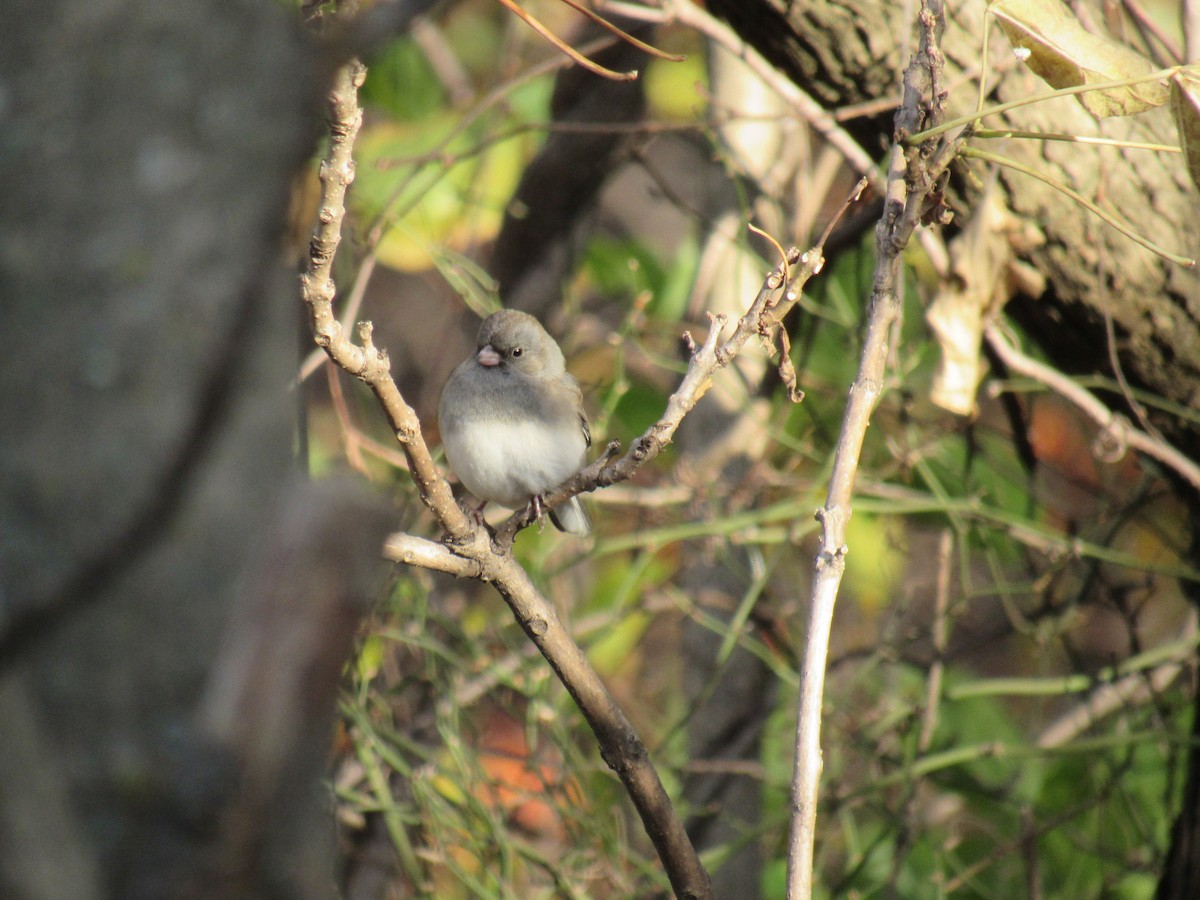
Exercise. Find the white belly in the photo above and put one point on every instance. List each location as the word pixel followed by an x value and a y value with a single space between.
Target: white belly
pixel 507 463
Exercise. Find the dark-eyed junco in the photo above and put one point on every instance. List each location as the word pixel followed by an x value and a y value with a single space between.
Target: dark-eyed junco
pixel 512 419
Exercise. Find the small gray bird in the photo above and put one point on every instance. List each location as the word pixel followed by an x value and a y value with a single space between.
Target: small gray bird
pixel 512 419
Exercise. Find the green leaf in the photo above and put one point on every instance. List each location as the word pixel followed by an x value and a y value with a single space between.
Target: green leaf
pixel 618 645
pixel 433 191
pixel 402 82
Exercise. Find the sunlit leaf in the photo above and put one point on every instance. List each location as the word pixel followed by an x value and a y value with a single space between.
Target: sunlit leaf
pixel 370 657
pixel 455 198
pixel 449 789
pixel 622 267
pixel 1185 106
pixel 675 90
pixel 403 83
pixel 469 280
pixel 671 300
pixel 1064 54
pixel 878 560
pixel 619 643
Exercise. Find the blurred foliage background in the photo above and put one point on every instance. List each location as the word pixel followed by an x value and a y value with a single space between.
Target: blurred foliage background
pixel 1009 698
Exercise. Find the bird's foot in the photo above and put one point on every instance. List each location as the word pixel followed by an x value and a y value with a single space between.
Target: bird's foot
pixel 537 510
pixel 471 511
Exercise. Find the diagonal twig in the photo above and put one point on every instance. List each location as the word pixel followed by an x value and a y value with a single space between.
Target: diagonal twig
pixel 1123 432
pixel 536 24
pixel 477 554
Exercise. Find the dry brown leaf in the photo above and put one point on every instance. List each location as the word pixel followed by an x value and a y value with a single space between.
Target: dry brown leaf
pixel 1065 54
pixel 978 287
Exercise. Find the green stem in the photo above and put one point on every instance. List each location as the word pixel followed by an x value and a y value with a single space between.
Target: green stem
pixel 921 136
pixel 958 756
pixel 973 153
pixel 1073 138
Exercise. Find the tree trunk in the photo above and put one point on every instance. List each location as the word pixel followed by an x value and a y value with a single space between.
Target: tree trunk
pixel 844 54
pixel 147 155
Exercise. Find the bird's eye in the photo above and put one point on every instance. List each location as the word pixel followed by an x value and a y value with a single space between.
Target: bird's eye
pixel 517 352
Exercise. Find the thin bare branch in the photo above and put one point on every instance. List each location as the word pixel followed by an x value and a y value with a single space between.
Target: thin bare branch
pixel 426 554
pixel 363 360
pixel 912 196
pixel 941 633
pixel 1121 430
pixel 1189 14
pixel 624 35
pixel 1132 690
pixel 562 45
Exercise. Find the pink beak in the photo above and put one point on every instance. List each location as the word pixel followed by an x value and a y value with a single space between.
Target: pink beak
pixel 487 356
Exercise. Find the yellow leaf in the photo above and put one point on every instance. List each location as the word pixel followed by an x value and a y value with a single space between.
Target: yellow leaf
pixel 434 193
pixel 449 789
pixel 876 562
pixel 1065 54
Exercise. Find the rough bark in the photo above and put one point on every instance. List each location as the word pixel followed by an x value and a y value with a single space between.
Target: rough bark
pixel 847 54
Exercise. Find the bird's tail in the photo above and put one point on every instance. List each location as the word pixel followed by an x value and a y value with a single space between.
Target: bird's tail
pixel 571 518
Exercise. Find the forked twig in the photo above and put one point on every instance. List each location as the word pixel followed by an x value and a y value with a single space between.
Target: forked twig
pixel 536 24
pixel 468 545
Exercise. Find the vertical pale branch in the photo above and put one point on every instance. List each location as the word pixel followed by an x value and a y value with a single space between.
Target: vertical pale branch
pixel 336 174
pixel 366 362
pixel 912 193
